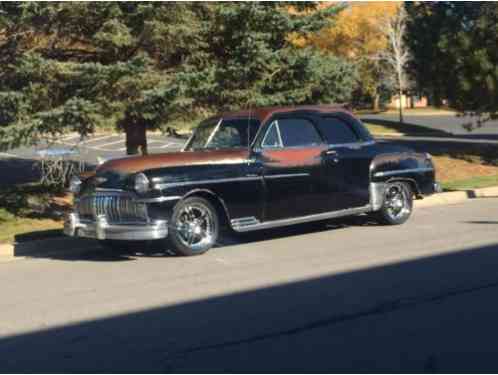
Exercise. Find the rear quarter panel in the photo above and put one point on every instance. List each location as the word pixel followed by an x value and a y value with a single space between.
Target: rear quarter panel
pixel 393 163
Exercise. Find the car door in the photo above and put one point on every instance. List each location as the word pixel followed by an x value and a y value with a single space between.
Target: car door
pixel 290 155
pixel 346 165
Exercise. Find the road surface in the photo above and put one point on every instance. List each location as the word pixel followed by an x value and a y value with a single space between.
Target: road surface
pixel 444 121
pixel 344 295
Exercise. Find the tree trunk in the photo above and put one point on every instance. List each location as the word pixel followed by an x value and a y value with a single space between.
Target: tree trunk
pixel 136 138
pixel 376 102
pixel 437 101
pixel 401 120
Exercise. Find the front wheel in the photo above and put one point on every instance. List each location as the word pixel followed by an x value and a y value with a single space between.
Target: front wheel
pixel 194 226
pixel 398 204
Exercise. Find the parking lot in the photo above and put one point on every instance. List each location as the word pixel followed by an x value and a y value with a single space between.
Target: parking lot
pixel 109 145
pixel 20 165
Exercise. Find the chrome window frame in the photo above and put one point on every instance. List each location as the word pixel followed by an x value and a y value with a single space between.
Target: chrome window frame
pixel 273 124
pixel 284 147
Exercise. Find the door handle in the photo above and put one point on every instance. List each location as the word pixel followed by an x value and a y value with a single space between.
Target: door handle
pixel 333 156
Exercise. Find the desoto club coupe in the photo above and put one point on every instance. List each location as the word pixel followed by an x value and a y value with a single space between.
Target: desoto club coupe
pixel 250 170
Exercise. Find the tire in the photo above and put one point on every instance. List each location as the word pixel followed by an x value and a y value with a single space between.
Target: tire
pixel 194 226
pixel 398 204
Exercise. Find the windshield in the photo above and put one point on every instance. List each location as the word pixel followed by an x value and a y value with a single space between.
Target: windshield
pixel 223 134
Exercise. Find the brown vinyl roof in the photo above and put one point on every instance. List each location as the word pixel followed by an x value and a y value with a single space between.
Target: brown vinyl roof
pixel 263 113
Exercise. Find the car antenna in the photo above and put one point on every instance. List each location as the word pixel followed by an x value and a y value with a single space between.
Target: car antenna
pixel 249 129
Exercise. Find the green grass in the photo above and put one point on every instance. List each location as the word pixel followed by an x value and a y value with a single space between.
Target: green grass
pixel 15 228
pixel 471 183
pixel 28 212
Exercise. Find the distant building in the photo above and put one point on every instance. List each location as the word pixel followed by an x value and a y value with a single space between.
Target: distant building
pixel 408 101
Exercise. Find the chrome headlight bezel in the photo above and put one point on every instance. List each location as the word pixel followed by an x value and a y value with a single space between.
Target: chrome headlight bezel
pixel 141 183
pixel 75 184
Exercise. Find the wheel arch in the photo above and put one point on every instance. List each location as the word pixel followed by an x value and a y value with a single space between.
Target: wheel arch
pixel 215 200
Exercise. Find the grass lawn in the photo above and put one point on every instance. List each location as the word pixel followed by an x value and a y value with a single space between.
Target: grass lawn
pixel 471 183
pixel 432 111
pixel 31 211
pixel 17 228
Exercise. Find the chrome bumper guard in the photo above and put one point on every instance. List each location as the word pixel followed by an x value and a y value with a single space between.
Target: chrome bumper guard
pixel 100 229
pixel 437 187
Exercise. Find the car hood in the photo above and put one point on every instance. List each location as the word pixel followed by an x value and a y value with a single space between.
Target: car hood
pixel 135 164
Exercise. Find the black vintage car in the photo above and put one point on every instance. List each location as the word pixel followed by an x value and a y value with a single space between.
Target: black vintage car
pixel 251 170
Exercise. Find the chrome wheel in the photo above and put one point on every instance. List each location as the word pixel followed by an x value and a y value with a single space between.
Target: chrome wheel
pixel 195 226
pixel 397 202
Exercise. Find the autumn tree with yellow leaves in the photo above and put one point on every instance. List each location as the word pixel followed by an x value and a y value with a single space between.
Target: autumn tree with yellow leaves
pixel 356 34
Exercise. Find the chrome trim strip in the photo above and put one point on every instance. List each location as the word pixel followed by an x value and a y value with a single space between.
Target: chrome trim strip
pixel 303 219
pixel 352 144
pixel 403 171
pixel 244 221
pixel 159 199
pixel 287 175
pixel 200 182
pixel 104 190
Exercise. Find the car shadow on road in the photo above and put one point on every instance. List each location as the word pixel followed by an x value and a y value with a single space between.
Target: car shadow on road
pixel 407 128
pixel 429 314
pixel 90 250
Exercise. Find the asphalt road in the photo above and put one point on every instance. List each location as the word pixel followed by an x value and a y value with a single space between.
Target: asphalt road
pixel 344 295
pixel 447 122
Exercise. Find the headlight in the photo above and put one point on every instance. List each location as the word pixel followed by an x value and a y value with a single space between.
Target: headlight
pixel 74 184
pixel 142 184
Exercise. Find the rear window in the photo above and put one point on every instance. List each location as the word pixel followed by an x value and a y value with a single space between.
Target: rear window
pixel 337 131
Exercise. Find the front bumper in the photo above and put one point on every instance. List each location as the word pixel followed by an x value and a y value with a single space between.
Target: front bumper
pixel 102 230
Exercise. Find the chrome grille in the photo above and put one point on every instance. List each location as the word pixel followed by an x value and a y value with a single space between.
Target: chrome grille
pixel 117 208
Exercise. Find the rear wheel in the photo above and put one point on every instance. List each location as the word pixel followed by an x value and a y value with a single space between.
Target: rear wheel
pixel 398 204
pixel 194 226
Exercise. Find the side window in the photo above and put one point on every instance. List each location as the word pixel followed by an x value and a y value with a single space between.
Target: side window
pixel 226 137
pixel 298 132
pixel 337 131
pixel 272 137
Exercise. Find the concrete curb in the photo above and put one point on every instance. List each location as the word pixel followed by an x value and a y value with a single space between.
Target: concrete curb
pixel 455 197
pixel 74 246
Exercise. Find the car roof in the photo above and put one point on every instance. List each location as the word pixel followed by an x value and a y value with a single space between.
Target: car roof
pixel 264 113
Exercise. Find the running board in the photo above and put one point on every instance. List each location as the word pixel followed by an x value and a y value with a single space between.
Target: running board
pixel 248 224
